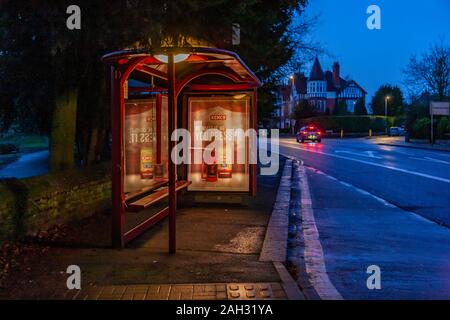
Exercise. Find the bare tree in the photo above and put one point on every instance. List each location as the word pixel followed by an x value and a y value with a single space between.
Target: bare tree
pixel 430 72
pixel 304 47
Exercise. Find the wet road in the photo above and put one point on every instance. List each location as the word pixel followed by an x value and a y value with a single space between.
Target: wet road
pixel 27 165
pixel 413 179
pixel 383 206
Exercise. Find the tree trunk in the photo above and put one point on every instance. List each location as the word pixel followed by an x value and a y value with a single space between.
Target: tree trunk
pixel 92 146
pixel 96 145
pixel 100 144
pixel 62 136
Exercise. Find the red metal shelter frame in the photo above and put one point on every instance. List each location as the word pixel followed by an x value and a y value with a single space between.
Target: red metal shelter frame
pixel 173 77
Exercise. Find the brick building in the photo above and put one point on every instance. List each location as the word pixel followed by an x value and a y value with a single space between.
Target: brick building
pixel 324 90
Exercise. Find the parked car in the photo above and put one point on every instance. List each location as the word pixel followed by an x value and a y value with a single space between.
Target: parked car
pixel 8 148
pixel 396 131
pixel 309 133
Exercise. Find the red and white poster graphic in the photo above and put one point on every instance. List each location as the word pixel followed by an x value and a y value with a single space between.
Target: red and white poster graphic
pixel 139 143
pixel 221 113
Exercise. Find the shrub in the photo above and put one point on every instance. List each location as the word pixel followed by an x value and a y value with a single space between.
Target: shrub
pixel 341 109
pixel 443 128
pixel 351 124
pixel 421 128
pixel 398 121
pixel 378 124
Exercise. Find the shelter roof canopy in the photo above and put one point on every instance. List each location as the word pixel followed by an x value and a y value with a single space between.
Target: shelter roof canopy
pixel 196 61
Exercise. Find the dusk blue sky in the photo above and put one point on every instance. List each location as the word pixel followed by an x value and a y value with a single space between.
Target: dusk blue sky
pixel 375 57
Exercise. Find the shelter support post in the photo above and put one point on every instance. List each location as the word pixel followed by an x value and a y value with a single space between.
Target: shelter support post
pixel 158 127
pixel 117 118
pixel 255 127
pixel 171 145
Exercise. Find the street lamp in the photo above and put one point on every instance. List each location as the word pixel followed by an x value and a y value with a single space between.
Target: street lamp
pixel 385 105
pixel 164 58
pixel 292 103
pixel 385 111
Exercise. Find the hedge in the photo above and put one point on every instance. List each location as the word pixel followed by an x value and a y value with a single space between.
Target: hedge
pixel 350 124
pixel 421 128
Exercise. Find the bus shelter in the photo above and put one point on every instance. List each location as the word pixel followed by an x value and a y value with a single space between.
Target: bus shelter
pixel 152 94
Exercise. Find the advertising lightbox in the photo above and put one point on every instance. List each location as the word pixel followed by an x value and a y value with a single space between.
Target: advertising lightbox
pixel 142 168
pixel 225 114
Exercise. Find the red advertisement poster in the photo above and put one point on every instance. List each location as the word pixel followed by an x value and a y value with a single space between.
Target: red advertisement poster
pixel 221 113
pixel 140 143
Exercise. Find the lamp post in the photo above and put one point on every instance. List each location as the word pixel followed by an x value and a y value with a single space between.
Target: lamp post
pixel 385 111
pixel 292 103
pixel 171 59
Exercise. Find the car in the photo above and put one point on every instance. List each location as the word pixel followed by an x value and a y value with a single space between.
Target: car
pixel 309 133
pixel 396 131
pixel 8 148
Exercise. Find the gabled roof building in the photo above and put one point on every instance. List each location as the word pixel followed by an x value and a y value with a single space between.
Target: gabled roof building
pixel 324 90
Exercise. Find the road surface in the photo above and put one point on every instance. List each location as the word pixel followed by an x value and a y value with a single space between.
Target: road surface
pixel 26 165
pixel 383 206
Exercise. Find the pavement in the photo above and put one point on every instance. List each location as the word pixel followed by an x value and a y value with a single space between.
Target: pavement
pixel 359 205
pixel 218 257
pixel 414 143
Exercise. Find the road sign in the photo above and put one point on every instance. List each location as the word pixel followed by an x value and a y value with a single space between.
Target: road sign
pixel 439 108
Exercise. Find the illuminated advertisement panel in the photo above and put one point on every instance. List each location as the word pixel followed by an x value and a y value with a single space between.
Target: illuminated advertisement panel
pixel 226 114
pixel 142 169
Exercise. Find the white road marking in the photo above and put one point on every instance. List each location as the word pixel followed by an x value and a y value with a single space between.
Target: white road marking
pixel 437 160
pixel 430 160
pixel 361 191
pixel 424 175
pixel 386 203
pixel 395 150
pixel 419 217
pixel 371 154
pixel 443 154
pixel 416 158
pixel 314 257
pixel 367 154
pixel 346 184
